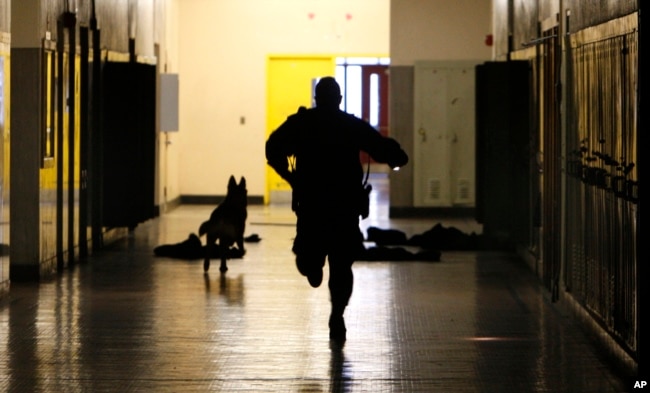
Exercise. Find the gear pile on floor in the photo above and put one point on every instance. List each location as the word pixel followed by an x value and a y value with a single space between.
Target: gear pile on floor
pixel 389 242
pixel 389 245
pixel 192 248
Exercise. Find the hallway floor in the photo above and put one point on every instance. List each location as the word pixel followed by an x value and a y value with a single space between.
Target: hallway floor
pixel 127 321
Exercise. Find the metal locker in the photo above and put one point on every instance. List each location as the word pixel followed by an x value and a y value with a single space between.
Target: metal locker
pixel 444 134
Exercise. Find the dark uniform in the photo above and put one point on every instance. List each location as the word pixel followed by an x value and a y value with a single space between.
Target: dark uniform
pixel 318 152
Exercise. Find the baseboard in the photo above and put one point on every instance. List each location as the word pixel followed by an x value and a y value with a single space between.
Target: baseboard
pixel 170 205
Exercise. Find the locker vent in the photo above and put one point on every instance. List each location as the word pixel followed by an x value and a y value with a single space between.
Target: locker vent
pixel 434 189
pixel 463 190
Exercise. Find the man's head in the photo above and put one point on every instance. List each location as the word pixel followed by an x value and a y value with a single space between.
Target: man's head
pixel 328 93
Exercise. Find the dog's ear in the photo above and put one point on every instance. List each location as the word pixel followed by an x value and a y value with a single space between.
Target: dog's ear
pixel 232 182
pixel 242 182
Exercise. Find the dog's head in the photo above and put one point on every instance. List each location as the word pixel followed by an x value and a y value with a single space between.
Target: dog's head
pixel 237 192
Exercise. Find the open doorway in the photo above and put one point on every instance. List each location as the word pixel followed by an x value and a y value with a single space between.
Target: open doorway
pixel 364 86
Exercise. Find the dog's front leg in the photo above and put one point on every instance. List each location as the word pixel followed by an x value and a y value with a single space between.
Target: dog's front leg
pixel 210 240
pixel 223 251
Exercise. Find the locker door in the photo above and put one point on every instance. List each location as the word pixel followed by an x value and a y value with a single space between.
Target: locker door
pixel 461 108
pixel 430 142
pixel 444 134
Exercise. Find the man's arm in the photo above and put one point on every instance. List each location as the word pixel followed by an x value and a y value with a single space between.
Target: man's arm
pixel 279 149
pixel 395 156
pixel 383 149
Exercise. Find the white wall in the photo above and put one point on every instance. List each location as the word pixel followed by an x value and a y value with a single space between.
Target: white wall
pixel 439 30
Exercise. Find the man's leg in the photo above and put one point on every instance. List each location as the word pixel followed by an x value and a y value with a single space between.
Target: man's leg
pixel 340 284
pixel 345 242
pixel 310 265
pixel 309 251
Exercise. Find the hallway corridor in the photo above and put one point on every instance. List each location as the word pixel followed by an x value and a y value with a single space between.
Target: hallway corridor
pixel 128 321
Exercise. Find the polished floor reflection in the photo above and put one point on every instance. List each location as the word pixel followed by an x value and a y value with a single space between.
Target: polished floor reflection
pixel 127 321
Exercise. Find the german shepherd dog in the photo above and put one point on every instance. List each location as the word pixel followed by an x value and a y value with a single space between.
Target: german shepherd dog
pixel 226 224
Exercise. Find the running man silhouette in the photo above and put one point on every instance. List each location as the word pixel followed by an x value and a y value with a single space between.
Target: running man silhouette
pixel 317 151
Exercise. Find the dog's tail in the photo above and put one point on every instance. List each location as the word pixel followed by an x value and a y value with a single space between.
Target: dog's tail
pixel 203 229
